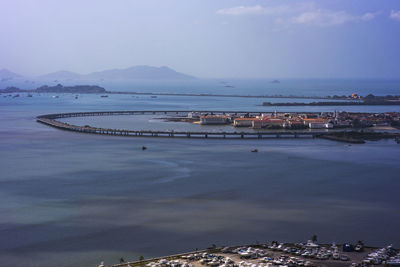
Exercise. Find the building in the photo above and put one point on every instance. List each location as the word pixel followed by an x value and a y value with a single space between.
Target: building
pixel 294 124
pixel 244 122
pixel 194 115
pixel 214 119
pixel 278 123
pixel 320 125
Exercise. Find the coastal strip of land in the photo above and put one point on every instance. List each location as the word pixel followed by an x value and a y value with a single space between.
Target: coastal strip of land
pixel 337 103
pixel 94 89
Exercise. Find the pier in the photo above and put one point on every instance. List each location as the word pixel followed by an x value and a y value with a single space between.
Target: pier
pixel 51 120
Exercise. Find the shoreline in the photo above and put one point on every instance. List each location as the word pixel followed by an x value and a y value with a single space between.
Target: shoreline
pixel 329 255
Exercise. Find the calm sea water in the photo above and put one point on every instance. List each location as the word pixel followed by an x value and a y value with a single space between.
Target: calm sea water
pixel 72 199
pixel 298 87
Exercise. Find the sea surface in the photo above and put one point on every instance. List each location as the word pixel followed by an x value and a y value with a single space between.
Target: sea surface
pixel 72 199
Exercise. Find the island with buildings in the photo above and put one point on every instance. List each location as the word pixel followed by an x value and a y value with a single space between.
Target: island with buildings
pixel 338 126
pixel 293 120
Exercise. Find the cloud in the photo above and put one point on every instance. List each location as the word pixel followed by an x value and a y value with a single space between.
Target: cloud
pixel 395 14
pixel 252 10
pixel 329 18
pixel 369 16
pixel 302 13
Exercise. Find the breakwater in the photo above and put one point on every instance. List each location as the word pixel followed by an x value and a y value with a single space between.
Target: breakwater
pixel 52 120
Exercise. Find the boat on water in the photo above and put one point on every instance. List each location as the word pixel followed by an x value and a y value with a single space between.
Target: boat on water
pixel 55 96
pixel 153 96
pixel 17 95
pixel 29 95
pixel 104 96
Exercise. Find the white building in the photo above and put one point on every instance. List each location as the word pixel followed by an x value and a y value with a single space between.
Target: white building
pixel 320 125
pixel 194 115
pixel 243 122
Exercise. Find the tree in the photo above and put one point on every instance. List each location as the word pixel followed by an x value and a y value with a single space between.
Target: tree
pixel 141 258
pixel 314 238
pixel 370 96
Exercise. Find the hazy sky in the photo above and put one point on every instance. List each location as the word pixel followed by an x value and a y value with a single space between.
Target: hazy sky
pixel 205 38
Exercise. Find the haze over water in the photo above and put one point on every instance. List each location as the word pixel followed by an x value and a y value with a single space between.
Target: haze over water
pixel 77 199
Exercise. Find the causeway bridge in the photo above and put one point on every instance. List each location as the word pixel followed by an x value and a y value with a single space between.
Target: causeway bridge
pixel 52 120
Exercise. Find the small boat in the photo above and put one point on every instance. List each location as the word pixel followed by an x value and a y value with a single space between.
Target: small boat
pixel 153 96
pixel 55 96
pixel 104 96
pixel 144 148
pixel 254 150
pixel 29 95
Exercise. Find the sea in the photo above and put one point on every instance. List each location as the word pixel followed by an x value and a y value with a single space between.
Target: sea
pixel 70 199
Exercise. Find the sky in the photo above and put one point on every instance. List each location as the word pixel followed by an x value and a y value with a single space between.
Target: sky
pixel 204 38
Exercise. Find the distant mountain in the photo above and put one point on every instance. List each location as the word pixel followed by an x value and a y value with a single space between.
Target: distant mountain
pixel 61 75
pixel 139 73
pixel 132 73
pixel 6 75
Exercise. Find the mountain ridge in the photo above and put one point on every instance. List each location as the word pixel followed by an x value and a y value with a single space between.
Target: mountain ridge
pixel 140 72
pixel 6 75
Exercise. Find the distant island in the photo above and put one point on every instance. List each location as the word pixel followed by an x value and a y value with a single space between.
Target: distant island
pixel 82 89
pixel 369 100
